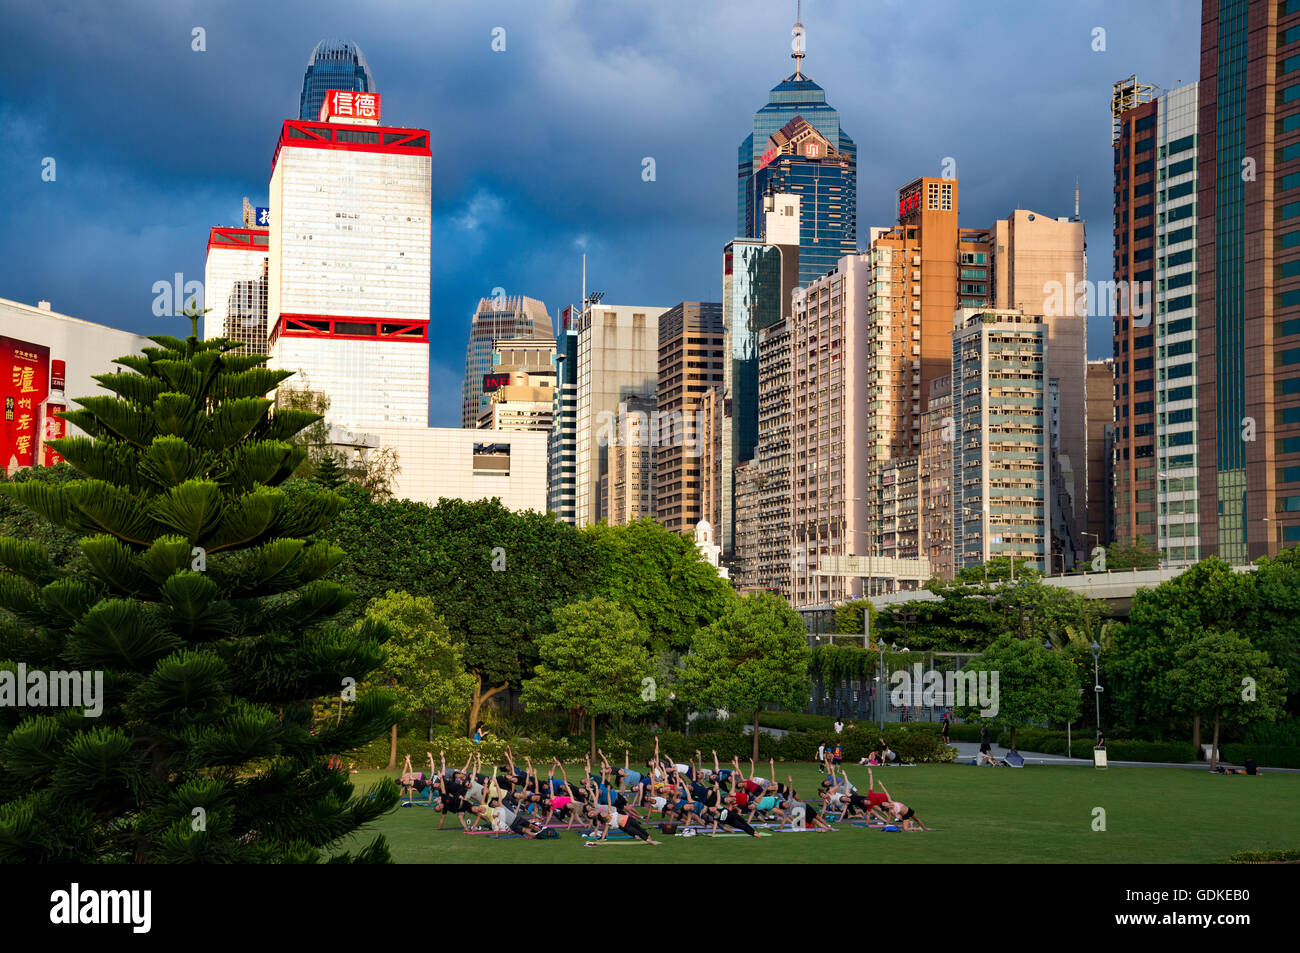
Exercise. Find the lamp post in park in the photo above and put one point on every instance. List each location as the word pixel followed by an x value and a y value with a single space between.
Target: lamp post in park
pixel 1096 683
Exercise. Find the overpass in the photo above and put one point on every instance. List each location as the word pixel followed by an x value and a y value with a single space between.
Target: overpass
pixel 1114 587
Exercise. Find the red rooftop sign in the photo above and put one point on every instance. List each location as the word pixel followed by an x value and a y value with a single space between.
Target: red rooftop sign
pixel 344 104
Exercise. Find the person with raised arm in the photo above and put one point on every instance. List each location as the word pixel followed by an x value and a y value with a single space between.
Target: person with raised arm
pixel 614 821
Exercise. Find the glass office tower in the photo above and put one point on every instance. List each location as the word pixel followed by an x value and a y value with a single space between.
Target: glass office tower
pixel 826 184
pixel 334 64
pixel 1248 278
pixel 757 281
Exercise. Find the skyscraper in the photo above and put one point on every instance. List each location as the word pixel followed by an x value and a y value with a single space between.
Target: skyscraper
pixel 690 362
pixel 797 147
pixel 494 319
pixel 562 446
pixel 234 284
pixel 348 263
pixel 1001 454
pixel 618 357
pixel 757 282
pixel 1248 287
pixel 1154 387
pixel 1032 255
pixel 334 64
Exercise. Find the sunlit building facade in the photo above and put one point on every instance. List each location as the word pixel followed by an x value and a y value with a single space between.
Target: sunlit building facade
pixel 348 268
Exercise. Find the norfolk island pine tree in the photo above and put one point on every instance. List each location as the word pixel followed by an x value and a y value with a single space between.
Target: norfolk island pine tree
pixel 208 614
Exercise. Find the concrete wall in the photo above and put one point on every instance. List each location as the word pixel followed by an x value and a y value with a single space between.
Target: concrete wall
pixel 439 462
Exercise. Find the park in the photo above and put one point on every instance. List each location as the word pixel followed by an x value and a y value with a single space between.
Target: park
pixel 276 637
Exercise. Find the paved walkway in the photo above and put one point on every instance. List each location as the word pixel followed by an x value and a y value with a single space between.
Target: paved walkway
pixel 968 750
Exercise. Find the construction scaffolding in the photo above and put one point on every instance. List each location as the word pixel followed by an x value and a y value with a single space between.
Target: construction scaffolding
pixel 1125 95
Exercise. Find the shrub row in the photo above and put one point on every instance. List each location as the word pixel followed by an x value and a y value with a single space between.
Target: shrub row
pixel 1286 856
pixel 1266 756
pixel 917 743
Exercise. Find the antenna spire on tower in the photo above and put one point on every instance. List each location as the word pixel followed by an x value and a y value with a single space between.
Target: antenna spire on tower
pixel 798 32
pixel 1076 198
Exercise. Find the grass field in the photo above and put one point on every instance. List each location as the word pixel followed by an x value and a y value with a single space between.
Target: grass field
pixel 1039 814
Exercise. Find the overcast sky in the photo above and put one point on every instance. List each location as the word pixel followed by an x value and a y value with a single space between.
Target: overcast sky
pixel 538 149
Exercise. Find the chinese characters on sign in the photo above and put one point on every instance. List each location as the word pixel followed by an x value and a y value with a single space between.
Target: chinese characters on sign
pixel 909 203
pixel 25 379
pixel 343 104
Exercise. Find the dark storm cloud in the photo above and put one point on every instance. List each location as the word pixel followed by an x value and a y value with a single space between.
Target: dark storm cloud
pixel 538 150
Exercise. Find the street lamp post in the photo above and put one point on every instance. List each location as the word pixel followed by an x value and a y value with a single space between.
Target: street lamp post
pixel 1096 683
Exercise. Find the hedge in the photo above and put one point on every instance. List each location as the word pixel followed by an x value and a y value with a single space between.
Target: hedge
pixel 1285 856
pixel 1266 756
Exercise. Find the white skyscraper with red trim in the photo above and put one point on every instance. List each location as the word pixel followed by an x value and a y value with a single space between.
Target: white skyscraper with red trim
pixel 349 262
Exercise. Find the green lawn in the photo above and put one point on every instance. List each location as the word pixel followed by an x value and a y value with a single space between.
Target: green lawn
pixel 1031 815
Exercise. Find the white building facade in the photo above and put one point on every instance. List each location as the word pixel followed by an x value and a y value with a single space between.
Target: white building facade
pixel 47 360
pixel 348 268
pixel 234 287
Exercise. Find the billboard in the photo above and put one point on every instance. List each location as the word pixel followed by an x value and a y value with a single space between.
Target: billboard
pixel 346 104
pixel 493 382
pixel 25 379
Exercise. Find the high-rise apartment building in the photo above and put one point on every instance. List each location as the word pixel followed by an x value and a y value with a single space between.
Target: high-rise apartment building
pixel 334 64
pixel 562 446
pixel 1033 255
pixel 497 318
pixel 234 287
pixel 348 263
pixel 1001 455
pixel 709 421
pixel 810 157
pixel 744 572
pixel 618 357
pixel 925 268
pixel 938 433
pixel 775 459
pixel 631 454
pixel 1248 288
pixel 829 403
pixel 1155 362
pixel 1101 425
pixel 894 502
pixel 690 363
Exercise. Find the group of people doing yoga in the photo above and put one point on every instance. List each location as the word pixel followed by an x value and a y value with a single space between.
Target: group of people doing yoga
pixel 617 799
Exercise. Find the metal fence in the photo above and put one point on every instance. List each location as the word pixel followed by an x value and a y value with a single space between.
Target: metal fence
pixel 863 696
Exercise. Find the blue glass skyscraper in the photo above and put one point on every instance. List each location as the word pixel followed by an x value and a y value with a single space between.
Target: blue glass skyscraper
pixel 334 64
pixel 827 184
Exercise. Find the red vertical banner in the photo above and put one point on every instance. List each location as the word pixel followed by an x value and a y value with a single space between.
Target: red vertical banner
pixel 25 381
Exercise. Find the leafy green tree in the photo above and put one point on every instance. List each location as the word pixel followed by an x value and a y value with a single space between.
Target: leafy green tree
pixel 496 576
pixel 423 668
pixel 1034 684
pixel 595 661
pixel 1221 672
pixel 1272 619
pixel 210 619
pixel 848 618
pixel 1133 554
pixel 1207 595
pixel 659 575
pixel 756 654
pixel 315 436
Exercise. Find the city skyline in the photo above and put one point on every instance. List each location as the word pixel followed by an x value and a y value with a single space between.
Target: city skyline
pixel 131 205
